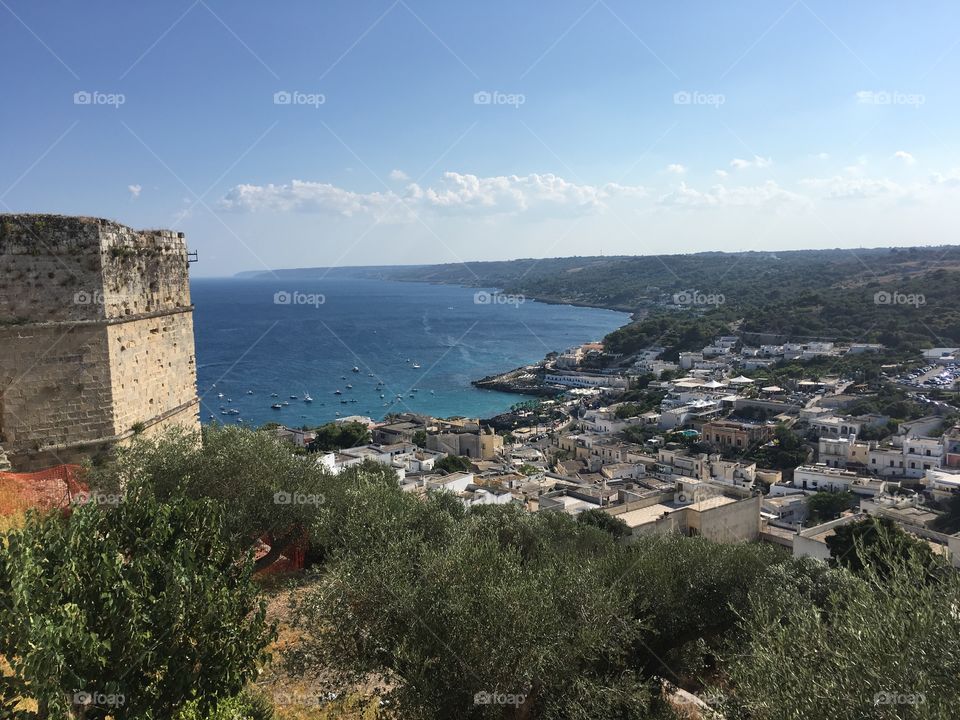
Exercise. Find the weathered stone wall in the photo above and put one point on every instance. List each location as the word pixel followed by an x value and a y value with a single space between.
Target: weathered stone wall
pixel 153 369
pixel 96 336
pixel 50 269
pixel 56 385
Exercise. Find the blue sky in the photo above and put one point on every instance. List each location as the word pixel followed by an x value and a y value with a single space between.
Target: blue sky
pixel 435 132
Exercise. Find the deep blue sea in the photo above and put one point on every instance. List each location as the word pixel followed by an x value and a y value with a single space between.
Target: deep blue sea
pixel 253 338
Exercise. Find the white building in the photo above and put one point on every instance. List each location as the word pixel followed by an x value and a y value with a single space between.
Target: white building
pixel 454 482
pixel 584 380
pixel 477 495
pixel 822 478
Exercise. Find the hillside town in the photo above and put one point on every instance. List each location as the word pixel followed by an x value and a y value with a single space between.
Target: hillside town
pixel 698 447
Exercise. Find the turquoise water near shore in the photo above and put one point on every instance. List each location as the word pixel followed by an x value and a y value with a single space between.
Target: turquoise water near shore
pixel 295 338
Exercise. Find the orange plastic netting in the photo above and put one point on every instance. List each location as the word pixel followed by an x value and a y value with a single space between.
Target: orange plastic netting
pixel 54 487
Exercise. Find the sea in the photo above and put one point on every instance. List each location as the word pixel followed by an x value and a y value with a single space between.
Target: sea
pixel 387 347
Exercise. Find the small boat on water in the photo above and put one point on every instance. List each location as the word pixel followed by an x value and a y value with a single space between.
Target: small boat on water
pixel 293 397
pixel 211 416
pixel 249 392
pixel 277 406
pixel 273 395
pixel 224 412
pixel 234 411
pixel 356 369
pixel 416 390
pixel 307 398
pixel 285 403
pixel 381 394
pixel 349 386
pixel 416 366
pixel 337 392
pixel 219 395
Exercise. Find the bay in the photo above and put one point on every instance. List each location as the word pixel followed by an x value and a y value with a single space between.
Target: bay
pixel 257 337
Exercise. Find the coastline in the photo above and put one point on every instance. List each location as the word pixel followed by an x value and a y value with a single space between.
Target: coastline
pixel 467 384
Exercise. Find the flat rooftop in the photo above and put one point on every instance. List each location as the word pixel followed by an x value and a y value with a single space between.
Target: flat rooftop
pixel 636 518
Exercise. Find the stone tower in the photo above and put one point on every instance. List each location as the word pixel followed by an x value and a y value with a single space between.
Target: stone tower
pixel 96 337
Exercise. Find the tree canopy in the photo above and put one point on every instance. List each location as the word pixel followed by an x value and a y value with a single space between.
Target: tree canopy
pixel 126 610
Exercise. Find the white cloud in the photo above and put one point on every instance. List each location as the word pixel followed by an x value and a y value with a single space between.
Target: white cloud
pixel 757 162
pixel 822 156
pixel 515 194
pixel 905 156
pixel 676 169
pixel 399 175
pixel 456 193
pixel 306 196
pixel 839 187
pixel 769 193
pixel 951 180
pixel 134 191
pixel 722 173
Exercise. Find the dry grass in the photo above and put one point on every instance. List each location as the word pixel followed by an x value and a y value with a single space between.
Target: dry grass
pixel 303 697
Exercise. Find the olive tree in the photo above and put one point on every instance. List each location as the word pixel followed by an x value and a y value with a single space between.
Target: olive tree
pixel 825 644
pixel 469 615
pixel 129 607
